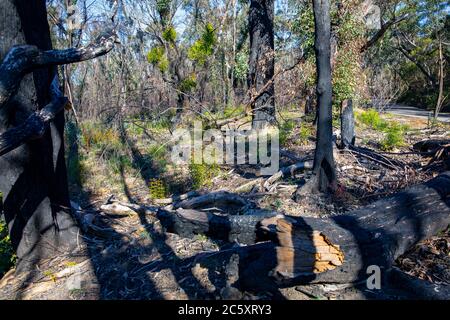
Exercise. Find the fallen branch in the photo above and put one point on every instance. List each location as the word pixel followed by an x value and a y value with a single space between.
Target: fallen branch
pixel 249 185
pixel 289 170
pixel 377 157
pixel 231 228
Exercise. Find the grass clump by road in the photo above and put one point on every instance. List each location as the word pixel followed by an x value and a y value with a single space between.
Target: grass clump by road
pixel 393 132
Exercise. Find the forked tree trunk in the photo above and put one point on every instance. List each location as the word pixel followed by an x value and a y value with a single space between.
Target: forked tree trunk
pixel 324 169
pixel 262 61
pixel 33 177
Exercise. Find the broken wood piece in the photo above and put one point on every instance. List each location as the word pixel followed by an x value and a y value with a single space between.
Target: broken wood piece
pixel 231 228
pixel 215 198
pixel 289 170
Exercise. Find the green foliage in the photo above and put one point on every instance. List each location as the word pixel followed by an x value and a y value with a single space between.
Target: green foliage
pixel 303 26
pixel 106 144
pixel 7 255
pixel 202 174
pixel 74 166
pixel 157 189
pixel 394 137
pixel 278 204
pixel 203 47
pixel 169 34
pixel 285 131
pixel 350 28
pixel 372 118
pixel 241 66
pixel 158 154
pixel 188 84
pixel 163 8
pixel 233 111
pixel 345 78
pixel 156 56
pixel 304 133
pixel 393 131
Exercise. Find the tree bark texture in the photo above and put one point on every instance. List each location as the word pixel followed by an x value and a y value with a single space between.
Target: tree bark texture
pixel 324 168
pixel 262 61
pixel 33 176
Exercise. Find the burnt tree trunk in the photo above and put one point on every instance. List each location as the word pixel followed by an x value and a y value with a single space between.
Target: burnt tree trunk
pixel 347 124
pixel 261 62
pixel 33 176
pixel 324 169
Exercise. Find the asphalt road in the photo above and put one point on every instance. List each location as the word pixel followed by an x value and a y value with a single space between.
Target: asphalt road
pixel 415 112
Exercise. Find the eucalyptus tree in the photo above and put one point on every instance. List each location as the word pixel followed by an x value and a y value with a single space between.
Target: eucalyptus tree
pixel 262 62
pixel 34 181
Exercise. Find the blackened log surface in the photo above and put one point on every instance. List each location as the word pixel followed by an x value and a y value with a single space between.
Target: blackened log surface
pixel 262 60
pixel 188 223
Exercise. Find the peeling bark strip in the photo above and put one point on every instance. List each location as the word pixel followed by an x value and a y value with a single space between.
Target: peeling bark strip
pixel 337 249
pixel 285 171
pixel 23 59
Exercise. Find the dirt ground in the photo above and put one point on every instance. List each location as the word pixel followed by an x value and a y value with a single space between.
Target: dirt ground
pixel 132 257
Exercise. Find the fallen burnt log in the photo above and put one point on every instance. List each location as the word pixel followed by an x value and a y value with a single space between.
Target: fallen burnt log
pixel 431 146
pixel 221 198
pixel 335 250
pixel 242 229
pixel 436 149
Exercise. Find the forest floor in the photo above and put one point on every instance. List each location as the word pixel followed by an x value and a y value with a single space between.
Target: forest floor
pixel 130 256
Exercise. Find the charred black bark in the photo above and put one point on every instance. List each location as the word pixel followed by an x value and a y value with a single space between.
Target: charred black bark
pixel 324 169
pixel 32 166
pixel 262 61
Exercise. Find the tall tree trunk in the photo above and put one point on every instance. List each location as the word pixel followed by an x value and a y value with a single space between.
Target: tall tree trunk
pixel 262 61
pixel 33 177
pixel 324 169
pixel 440 99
